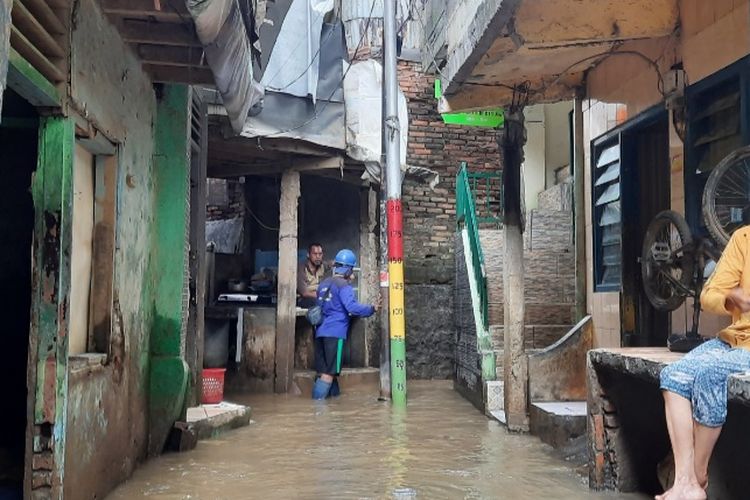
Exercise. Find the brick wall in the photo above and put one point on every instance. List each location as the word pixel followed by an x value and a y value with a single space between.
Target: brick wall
pixel 429 228
pixel 430 214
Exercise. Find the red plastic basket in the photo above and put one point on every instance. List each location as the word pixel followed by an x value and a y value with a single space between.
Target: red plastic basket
pixel 213 385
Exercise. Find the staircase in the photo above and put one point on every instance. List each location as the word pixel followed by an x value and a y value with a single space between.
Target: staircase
pixel 556 349
pixel 549 261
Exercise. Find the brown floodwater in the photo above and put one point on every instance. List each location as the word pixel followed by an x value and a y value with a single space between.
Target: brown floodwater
pixel 356 447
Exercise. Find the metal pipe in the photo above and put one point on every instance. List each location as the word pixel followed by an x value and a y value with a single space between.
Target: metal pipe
pixel 579 208
pixel 394 210
pixel 385 339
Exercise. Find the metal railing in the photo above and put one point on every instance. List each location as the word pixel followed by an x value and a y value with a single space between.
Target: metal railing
pixel 488 201
pixel 467 216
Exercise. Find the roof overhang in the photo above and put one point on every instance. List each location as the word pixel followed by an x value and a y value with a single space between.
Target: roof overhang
pixel 197 42
pixel 543 45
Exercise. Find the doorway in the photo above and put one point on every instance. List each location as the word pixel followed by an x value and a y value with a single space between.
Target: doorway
pixel 19 131
pixel 646 191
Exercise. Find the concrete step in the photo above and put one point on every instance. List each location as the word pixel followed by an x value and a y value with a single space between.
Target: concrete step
pixel 205 422
pixel 349 378
pixel 557 423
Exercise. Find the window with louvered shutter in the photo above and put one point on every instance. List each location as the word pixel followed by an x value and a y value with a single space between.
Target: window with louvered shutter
pixel 607 216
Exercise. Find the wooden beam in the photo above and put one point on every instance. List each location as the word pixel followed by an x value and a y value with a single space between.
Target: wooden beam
pixel 46 16
pixel 175 11
pixel 287 281
pixel 336 162
pixel 276 168
pixel 224 132
pixel 29 83
pixel 515 362
pixel 161 55
pixel 226 170
pixel 29 52
pixel 180 74
pixel 134 31
pixel 34 31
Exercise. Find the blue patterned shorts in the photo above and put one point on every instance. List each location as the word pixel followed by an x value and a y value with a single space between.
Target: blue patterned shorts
pixel 701 377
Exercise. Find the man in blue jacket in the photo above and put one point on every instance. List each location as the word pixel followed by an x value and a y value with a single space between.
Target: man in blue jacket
pixel 338 303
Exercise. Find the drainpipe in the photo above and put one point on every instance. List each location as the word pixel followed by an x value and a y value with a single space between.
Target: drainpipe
pixel 579 209
pixel 394 210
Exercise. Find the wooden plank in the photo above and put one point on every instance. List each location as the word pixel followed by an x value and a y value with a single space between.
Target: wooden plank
pixel 134 31
pixel 29 83
pixel 160 55
pixel 46 16
pixel 34 31
pixel 177 74
pixel 304 165
pixel 175 11
pixel 197 252
pixel 29 52
pixel 103 249
pixel 251 168
pixel 287 281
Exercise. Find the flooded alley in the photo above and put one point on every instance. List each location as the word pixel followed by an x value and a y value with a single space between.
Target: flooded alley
pixel 357 447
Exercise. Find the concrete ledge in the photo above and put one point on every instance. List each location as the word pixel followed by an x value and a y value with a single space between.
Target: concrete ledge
pixel 647 362
pixel 211 420
pixel 627 434
pixel 558 423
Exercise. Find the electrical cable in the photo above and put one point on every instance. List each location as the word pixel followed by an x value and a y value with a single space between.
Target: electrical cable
pixel 304 72
pixel 260 222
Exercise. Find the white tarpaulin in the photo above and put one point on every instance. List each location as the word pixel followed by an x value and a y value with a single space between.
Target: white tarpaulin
pixel 363 98
pixel 222 33
pixel 295 58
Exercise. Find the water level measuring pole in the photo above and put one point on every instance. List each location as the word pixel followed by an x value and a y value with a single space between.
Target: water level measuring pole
pixel 394 212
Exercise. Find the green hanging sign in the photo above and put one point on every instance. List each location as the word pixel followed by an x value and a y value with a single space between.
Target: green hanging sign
pixel 491 118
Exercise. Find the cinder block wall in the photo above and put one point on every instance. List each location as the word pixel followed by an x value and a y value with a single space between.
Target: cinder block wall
pixel 430 223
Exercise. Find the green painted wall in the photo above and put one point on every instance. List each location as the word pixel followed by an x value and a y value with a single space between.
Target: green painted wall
pixel 169 372
pixel 52 195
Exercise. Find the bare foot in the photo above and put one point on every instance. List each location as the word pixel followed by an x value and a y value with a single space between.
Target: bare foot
pixel 683 491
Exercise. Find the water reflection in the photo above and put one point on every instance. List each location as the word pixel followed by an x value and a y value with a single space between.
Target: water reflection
pixel 357 447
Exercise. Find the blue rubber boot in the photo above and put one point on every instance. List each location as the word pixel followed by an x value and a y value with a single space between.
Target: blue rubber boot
pixel 335 391
pixel 321 389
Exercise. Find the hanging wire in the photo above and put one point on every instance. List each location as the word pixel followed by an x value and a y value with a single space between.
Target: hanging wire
pixel 336 87
pixel 304 72
pixel 260 222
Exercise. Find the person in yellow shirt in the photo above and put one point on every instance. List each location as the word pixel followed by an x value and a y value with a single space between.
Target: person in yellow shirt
pixel 695 387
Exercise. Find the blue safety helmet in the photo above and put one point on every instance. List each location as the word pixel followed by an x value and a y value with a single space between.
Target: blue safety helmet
pixel 344 262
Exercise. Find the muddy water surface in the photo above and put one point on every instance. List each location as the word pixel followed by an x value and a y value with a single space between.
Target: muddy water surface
pixel 356 447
